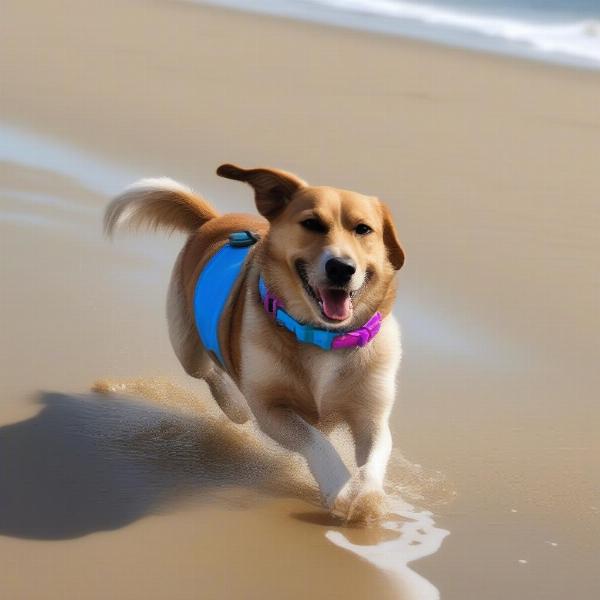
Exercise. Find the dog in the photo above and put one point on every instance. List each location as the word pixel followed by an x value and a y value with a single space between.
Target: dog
pixel 288 316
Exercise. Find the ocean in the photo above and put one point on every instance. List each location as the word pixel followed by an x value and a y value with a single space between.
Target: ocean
pixel 559 31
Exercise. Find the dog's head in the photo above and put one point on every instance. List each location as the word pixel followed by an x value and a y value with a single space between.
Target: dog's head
pixel 330 254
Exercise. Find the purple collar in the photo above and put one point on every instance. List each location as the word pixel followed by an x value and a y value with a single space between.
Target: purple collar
pixel 324 338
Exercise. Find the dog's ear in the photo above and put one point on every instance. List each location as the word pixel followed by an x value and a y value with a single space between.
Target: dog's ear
pixel 273 189
pixel 390 239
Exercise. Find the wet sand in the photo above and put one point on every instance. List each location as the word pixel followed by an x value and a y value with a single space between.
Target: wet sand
pixel 490 166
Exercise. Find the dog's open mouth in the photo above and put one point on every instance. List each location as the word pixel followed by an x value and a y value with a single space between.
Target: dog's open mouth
pixel 335 303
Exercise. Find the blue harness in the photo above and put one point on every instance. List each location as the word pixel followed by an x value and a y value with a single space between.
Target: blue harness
pixel 214 287
pixel 216 282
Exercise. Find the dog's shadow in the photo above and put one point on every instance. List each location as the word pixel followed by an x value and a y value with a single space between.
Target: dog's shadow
pixel 91 462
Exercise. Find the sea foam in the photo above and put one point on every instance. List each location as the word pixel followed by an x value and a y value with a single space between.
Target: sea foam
pixel 571 41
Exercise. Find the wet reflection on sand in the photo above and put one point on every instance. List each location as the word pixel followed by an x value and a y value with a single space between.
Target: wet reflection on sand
pixel 406 536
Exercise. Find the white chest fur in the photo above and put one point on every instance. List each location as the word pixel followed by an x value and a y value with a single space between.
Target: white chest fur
pixel 319 381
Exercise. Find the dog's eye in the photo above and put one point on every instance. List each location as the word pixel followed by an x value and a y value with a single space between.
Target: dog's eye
pixel 314 225
pixel 362 229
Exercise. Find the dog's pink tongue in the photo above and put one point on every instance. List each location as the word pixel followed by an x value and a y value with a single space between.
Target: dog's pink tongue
pixel 336 304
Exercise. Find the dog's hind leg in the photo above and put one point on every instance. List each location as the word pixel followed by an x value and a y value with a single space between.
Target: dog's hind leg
pixel 228 396
pixel 182 330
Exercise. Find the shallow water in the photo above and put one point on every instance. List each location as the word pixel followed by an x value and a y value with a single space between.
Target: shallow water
pixel 496 423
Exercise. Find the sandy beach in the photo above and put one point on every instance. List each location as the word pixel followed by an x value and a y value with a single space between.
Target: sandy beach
pixel 491 168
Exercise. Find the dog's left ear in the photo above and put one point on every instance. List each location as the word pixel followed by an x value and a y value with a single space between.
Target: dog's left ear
pixel 390 238
pixel 273 188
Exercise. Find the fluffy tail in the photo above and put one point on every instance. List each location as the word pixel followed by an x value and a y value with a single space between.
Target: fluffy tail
pixel 158 203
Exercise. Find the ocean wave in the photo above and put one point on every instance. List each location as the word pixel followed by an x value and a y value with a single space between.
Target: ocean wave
pixel 575 41
pixel 580 38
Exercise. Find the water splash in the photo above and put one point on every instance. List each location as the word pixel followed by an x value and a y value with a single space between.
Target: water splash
pixel 412 535
pixel 406 535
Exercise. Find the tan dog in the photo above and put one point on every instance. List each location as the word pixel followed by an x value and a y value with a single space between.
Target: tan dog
pixel 330 256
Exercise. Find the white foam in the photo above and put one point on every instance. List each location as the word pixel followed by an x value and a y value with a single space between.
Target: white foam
pixel 581 39
pixel 578 41
pixel 414 536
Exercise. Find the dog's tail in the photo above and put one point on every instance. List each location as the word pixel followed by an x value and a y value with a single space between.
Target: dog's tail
pixel 158 204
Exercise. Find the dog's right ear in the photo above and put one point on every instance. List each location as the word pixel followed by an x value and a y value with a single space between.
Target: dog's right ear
pixel 390 238
pixel 273 188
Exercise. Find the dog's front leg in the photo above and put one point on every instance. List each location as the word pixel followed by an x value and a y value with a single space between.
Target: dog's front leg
pixel 373 445
pixel 362 499
pixel 291 431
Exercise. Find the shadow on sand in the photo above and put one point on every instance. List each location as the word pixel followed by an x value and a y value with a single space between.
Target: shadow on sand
pixel 91 462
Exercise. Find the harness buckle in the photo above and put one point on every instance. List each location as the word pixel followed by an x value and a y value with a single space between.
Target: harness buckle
pixel 241 239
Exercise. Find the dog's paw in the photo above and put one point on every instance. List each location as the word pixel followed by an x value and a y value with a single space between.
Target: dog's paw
pixel 105 386
pixel 367 508
pixel 360 501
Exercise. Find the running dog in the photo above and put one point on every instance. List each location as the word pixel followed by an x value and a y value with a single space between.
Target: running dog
pixel 288 316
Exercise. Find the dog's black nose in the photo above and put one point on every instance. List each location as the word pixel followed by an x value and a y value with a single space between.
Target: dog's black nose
pixel 340 270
